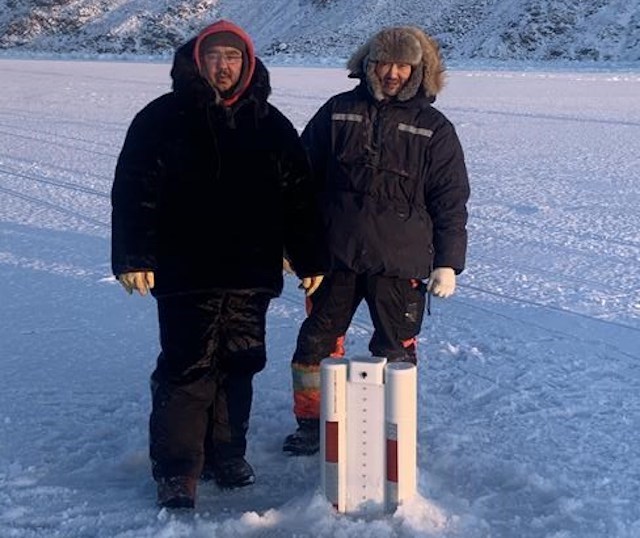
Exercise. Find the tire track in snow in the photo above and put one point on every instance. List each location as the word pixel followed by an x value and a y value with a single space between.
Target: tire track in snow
pixel 55 207
pixel 55 183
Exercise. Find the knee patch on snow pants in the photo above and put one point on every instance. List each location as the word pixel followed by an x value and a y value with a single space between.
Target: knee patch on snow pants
pixel 243 350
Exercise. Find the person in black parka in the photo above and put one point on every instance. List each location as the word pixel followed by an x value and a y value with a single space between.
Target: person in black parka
pixel 393 190
pixel 211 186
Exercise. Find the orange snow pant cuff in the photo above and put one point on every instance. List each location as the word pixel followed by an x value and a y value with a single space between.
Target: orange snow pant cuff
pixel 306 390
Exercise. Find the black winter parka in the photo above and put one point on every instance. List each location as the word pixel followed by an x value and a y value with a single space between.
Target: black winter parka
pixel 394 184
pixel 208 196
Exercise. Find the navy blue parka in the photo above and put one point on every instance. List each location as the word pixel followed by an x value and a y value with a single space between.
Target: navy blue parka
pixel 394 184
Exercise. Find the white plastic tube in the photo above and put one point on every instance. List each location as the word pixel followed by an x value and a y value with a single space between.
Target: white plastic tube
pixel 333 437
pixel 366 436
pixel 401 395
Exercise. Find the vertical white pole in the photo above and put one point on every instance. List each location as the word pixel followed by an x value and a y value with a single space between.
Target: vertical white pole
pixel 401 396
pixel 333 431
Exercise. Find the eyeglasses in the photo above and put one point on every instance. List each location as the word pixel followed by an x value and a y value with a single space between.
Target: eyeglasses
pixel 231 58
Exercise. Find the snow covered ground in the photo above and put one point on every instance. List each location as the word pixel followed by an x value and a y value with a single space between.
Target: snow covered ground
pixel 529 383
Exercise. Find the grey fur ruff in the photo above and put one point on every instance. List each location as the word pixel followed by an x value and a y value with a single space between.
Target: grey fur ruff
pixel 401 44
pixel 395 45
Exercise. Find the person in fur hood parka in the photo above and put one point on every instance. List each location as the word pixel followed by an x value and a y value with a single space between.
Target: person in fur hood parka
pixel 394 190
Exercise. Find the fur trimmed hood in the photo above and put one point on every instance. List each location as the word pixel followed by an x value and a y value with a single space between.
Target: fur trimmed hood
pixel 401 44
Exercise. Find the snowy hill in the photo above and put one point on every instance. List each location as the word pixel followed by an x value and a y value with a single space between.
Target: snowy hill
pixel 540 30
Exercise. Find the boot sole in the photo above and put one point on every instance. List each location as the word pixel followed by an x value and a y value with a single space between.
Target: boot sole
pixel 236 485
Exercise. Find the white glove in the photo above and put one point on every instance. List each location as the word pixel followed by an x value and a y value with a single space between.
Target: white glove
pixel 142 281
pixel 311 284
pixel 442 282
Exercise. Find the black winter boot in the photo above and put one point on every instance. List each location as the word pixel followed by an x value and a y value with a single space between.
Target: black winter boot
pixel 177 492
pixel 305 441
pixel 230 473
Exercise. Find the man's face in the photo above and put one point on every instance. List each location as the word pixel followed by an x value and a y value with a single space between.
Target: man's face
pixel 393 77
pixel 223 67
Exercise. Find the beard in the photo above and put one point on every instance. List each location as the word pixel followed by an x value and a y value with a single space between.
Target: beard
pixel 391 86
pixel 224 81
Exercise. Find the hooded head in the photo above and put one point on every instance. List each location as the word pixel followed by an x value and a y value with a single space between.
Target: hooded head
pixel 404 46
pixel 225 57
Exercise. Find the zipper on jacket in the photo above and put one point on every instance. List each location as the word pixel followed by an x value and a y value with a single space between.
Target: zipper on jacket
pixel 376 136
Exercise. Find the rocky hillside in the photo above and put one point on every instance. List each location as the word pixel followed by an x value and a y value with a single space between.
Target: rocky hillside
pixel 576 30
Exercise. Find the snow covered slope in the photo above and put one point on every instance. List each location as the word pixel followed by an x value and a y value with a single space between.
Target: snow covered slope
pixel 583 30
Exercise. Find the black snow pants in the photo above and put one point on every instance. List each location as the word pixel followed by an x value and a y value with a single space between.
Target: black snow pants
pixel 212 344
pixel 396 307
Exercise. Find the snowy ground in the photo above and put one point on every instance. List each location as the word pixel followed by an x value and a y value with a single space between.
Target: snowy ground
pixel 529 386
